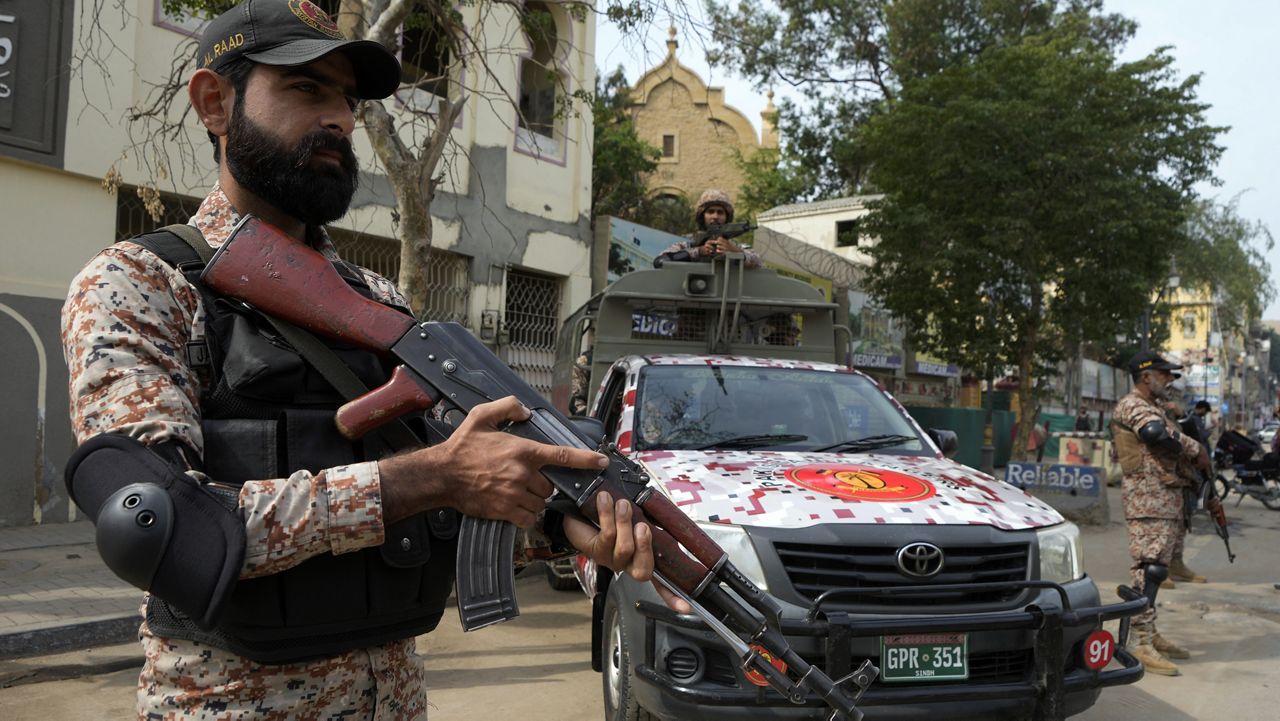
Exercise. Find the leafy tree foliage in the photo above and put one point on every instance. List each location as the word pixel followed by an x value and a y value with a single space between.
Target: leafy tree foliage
pixel 1225 256
pixel 1033 196
pixel 619 158
pixel 846 57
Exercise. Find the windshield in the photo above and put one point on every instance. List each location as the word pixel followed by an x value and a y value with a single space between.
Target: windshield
pixel 738 407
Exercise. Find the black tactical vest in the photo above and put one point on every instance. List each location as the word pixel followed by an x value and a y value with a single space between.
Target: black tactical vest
pixel 266 414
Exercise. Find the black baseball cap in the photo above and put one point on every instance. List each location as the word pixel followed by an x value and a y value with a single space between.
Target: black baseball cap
pixel 294 32
pixel 1149 360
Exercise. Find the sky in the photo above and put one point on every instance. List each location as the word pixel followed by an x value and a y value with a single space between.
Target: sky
pixel 1227 42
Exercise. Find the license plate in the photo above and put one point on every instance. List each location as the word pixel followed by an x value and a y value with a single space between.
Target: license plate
pixel 924 657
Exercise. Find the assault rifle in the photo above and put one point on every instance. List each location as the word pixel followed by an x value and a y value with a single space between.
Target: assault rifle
pixel 442 362
pixel 723 230
pixel 1213 506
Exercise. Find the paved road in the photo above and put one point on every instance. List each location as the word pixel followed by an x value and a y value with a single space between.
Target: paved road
pixel 537 667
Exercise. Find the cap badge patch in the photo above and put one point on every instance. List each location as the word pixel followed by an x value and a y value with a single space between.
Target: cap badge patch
pixel 860 483
pixel 308 13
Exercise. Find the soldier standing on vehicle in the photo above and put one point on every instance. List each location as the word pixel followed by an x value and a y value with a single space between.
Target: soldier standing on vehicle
pixel 290 569
pixel 714 208
pixel 1150 447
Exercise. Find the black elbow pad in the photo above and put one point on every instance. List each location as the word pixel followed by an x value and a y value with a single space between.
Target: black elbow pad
pixel 157 528
pixel 1156 435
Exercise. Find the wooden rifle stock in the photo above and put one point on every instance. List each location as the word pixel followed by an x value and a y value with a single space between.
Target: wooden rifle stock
pixel 282 277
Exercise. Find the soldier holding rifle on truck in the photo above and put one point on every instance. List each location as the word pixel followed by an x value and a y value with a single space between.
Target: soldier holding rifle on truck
pixel 289 568
pixel 713 212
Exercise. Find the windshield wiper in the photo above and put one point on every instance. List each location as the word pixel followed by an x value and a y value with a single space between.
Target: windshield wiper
pixel 756 441
pixel 869 443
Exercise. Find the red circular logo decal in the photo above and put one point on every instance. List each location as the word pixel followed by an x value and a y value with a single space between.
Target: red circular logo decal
pixel 1098 649
pixel 315 17
pixel 860 483
pixel 755 676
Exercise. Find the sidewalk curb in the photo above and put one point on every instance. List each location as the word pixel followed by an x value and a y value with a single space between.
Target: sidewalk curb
pixel 101 631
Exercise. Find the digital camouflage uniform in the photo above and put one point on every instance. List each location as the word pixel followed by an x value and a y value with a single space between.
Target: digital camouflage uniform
pixel 1152 494
pixel 579 378
pixel 751 260
pixel 126 326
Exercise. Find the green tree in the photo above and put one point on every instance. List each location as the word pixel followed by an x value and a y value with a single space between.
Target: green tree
pixel 1033 196
pixel 619 159
pixel 846 57
pixel 1225 255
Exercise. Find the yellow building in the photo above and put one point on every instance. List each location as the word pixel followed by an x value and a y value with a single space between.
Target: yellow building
pixel 1211 357
pixel 675 111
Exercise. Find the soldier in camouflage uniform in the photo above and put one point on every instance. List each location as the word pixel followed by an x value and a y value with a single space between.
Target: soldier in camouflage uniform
pixel 1150 449
pixel 276 89
pixel 713 208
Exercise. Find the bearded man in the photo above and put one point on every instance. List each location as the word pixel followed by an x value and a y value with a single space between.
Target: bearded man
pixel 1151 449
pixel 288 570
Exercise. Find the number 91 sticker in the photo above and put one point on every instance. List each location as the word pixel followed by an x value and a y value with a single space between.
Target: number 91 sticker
pixel 1098 649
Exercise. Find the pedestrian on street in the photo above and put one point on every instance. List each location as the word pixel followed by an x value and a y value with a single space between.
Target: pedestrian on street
pixel 1083 424
pixel 294 568
pixel 1149 448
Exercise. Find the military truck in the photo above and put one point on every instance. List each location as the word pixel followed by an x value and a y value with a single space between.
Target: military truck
pixel 730 386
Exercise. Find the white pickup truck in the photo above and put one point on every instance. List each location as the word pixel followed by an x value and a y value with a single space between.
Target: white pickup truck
pixel 970 595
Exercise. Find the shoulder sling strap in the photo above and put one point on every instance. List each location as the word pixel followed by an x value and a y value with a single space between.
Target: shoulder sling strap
pixel 321 357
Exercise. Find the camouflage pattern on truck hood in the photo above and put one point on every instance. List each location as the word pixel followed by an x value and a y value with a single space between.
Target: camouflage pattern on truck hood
pixel 796 489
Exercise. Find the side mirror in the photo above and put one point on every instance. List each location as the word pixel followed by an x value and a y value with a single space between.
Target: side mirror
pixel 592 427
pixel 946 441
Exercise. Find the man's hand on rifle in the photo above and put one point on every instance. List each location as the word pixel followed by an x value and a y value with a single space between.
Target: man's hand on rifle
pixel 479 470
pixel 485 473
pixel 716 246
pixel 620 545
pixel 1203 463
pixel 1213 505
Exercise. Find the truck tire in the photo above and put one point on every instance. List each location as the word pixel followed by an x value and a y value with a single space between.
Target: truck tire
pixel 619 704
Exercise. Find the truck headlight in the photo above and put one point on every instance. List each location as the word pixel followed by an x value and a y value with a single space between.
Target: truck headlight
pixel 1060 557
pixel 742 553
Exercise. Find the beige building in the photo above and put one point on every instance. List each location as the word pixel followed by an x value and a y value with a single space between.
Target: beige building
pixel 697 132
pixel 511 251
pixel 832 225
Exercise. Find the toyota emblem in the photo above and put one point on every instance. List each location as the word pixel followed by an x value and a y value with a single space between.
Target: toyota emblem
pixel 920 560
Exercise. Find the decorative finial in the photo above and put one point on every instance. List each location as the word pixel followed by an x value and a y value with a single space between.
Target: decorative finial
pixel 671 32
pixel 672 43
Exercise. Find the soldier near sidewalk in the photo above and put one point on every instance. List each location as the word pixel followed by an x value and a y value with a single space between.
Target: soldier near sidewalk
pixel 289 569
pixel 1178 568
pixel 1151 449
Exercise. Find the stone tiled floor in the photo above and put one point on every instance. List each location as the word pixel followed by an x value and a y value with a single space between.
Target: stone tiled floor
pixel 51 575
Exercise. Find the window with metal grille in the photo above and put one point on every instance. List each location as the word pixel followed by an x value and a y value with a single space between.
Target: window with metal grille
pixel 532 318
pixel 132 218
pixel 448 274
pixel 448 283
pixel 668 146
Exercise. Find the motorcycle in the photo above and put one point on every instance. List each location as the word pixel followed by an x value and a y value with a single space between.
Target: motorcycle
pixel 1237 471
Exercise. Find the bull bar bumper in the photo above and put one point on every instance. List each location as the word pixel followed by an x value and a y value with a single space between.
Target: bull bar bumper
pixel 1045 686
